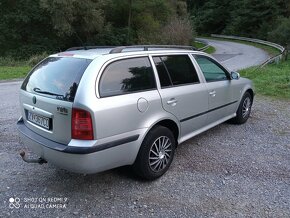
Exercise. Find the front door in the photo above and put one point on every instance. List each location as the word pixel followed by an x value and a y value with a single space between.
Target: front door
pixel 219 88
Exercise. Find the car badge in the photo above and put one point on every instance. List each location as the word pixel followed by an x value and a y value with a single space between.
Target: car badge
pixel 62 110
pixel 34 100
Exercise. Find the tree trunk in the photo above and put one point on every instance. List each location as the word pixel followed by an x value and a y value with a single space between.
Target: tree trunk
pixel 129 22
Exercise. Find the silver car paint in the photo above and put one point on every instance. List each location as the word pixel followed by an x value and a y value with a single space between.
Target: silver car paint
pixel 118 117
pixel 88 163
pixel 48 107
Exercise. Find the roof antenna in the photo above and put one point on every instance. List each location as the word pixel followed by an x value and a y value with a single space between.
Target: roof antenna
pixel 79 38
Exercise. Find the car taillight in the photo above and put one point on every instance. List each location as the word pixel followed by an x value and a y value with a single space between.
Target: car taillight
pixel 81 125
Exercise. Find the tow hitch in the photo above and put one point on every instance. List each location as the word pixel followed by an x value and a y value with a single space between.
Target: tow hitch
pixel 27 160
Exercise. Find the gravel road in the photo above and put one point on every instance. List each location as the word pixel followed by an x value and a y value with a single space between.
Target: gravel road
pixel 236 56
pixel 228 171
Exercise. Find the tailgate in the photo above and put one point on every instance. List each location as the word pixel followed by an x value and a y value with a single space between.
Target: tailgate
pixel 47 96
pixel 50 118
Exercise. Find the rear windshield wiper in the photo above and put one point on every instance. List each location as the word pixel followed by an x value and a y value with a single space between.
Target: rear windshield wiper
pixel 38 90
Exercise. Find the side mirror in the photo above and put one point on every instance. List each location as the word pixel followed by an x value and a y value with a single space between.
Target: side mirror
pixel 235 75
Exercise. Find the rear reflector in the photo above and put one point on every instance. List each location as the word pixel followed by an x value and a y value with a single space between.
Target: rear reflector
pixel 81 125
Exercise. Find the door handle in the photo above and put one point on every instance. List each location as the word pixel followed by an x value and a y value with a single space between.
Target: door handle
pixel 172 102
pixel 212 93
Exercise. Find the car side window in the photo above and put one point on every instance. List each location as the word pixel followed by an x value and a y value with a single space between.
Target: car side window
pixel 175 70
pixel 210 69
pixel 127 76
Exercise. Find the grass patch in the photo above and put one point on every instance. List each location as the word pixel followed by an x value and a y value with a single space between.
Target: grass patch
pixel 11 68
pixel 199 45
pixel 210 50
pixel 13 72
pixel 272 80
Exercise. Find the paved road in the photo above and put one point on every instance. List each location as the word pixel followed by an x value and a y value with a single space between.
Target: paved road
pixel 229 171
pixel 236 56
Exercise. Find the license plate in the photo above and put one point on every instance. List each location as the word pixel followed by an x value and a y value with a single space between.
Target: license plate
pixel 38 120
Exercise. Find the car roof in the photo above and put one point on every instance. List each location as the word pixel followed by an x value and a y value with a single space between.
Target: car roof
pixel 94 52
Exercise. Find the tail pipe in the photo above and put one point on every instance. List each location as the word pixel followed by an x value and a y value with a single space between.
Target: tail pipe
pixel 27 160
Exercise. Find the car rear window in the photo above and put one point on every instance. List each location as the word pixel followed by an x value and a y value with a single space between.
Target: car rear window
pixel 56 77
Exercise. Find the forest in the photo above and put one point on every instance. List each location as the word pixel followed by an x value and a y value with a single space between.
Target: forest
pixel 30 27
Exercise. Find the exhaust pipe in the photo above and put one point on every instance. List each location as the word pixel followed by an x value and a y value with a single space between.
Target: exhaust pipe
pixel 27 160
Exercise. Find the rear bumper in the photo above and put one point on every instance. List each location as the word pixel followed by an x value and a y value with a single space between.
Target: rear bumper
pixel 103 155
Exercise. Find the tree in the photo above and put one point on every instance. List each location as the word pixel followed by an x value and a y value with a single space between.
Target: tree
pixel 251 18
pixel 212 16
pixel 31 27
pixel 25 29
pixel 83 19
pixel 281 32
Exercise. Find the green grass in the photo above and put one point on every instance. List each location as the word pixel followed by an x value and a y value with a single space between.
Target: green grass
pixel 13 72
pixel 210 50
pixel 273 80
pixel 198 45
pixel 13 69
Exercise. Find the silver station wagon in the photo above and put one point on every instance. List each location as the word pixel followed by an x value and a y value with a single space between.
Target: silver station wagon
pixel 92 109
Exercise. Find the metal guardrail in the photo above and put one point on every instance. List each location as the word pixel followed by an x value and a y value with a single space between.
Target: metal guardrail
pixel 276 59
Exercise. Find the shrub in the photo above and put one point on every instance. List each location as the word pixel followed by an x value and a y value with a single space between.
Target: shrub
pixel 35 59
pixel 11 62
pixel 178 31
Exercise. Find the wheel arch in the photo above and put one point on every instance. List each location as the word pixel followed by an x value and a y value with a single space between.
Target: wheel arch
pixel 171 124
pixel 249 90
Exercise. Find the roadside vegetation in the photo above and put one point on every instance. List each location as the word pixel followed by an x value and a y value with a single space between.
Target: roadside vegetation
pixel 210 50
pixel 17 69
pixel 272 80
pixel 31 29
pixel 16 72
pixel 199 45
pixel 12 69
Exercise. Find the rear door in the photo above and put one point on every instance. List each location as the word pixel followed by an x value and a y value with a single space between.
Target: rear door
pixel 181 92
pixel 47 96
pixel 128 97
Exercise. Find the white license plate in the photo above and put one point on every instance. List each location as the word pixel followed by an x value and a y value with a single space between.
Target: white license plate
pixel 38 120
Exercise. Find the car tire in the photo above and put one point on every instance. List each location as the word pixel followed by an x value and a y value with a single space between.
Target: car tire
pixel 244 109
pixel 155 154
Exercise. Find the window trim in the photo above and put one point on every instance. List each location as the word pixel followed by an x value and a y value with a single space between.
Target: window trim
pixel 172 85
pixel 228 75
pixel 167 72
pixel 108 63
